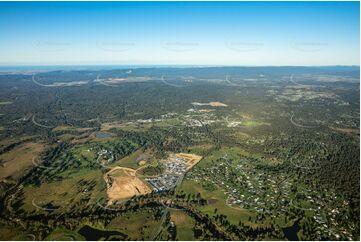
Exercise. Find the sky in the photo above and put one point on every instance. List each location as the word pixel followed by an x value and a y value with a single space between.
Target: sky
pixel 180 33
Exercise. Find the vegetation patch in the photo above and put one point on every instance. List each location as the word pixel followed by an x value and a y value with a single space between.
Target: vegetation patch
pixel 184 225
pixel 62 234
pixel 17 160
pixel 5 103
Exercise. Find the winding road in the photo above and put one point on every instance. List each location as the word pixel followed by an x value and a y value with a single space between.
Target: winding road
pixel 171 84
pixel 40 125
pixel 303 126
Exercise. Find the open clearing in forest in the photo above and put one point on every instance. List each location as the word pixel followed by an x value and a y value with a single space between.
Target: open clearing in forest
pixel 217 104
pixel 6 103
pixel 119 80
pixel 213 104
pixel 111 125
pixel 347 130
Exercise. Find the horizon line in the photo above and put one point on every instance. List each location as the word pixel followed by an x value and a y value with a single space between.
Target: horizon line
pixel 171 65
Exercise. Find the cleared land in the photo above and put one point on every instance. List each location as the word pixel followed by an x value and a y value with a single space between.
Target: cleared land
pixel 213 104
pixel 217 104
pixel 118 80
pixel 348 130
pixel 191 159
pixel 111 125
pixel 142 162
pixel 5 103
pixel 122 183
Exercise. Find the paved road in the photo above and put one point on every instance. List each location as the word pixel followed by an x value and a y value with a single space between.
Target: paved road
pixel 40 125
pixel 166 208
pixel 171 84
pixel 302 126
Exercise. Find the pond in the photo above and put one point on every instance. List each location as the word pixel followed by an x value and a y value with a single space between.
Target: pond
pixel 103 135
pixel 90 233
pixel 291 232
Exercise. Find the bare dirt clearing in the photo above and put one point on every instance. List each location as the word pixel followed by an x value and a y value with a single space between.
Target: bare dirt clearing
pixel 213 104
pixel 347 130
pixel 191 160
pixel 142 162
pixel 124 185
pixel 217 104
pixel 118 80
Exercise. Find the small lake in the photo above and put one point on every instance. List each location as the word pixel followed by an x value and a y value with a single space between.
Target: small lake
pixel 103 135
pixel 291 232
pixel 90 233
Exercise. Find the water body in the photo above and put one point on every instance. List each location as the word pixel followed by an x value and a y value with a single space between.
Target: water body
pixel 291 232
pixel 103 135
pixel 90 233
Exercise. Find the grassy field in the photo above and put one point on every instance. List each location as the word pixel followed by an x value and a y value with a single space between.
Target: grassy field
pixel 138 226
pixel 129 161
pixel 252 123
pixel 5 103
pixel 61 234
pixel 184 225
pixel 200 149
pixel 230 153
pixel 17 160
pixel 217 199
pixel 10 141
pixel 83 150
pixel 11 233
pixel 64 193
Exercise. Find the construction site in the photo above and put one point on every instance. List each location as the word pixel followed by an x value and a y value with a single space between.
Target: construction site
pixel 123 183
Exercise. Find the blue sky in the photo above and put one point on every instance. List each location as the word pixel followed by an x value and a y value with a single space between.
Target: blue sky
pixel 185 33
